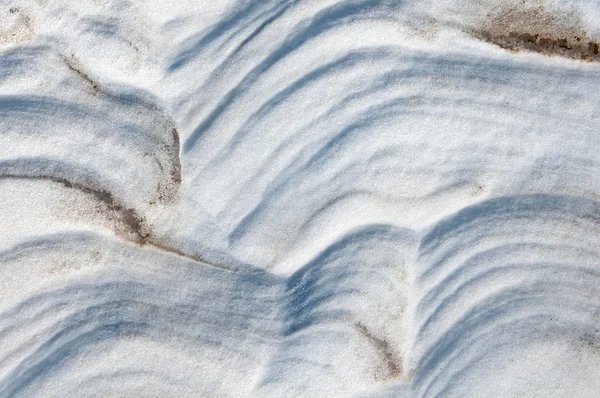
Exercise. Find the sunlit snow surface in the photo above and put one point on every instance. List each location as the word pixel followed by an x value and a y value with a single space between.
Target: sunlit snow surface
pixel 295 198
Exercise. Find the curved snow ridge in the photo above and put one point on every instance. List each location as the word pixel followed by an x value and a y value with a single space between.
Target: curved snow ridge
pixel 502 284
pixel 345 318
pixel 64 125
pixel 77 318
pixel 298 119
pixel 110 142
pixel 88 308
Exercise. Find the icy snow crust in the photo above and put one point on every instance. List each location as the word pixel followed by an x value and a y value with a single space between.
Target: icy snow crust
pixel 289 198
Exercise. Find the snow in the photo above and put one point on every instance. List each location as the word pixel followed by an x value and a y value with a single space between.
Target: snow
pixel 369 198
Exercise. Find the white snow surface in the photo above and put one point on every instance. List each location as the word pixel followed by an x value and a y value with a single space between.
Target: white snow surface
pixel 295 198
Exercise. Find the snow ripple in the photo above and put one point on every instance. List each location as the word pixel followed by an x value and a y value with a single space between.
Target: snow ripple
pixel 294 198
pixel 507 277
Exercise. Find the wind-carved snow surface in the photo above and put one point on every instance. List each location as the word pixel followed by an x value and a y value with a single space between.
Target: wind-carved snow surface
pixel 295 198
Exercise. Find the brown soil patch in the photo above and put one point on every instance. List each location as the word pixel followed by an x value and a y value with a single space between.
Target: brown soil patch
pixel 534 28
pixel 390 366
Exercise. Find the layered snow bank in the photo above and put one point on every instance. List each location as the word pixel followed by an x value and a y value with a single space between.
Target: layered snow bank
pixel 299 198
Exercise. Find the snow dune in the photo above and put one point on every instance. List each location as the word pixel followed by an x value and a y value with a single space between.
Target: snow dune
pixel 274 198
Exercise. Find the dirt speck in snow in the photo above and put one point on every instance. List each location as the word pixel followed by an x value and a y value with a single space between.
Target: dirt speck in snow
pixel 168 191
pixel 591 341
pixel 17 28
pixel 74 67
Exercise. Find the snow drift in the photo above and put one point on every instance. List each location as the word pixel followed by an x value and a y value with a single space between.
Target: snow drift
pixel 299 198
